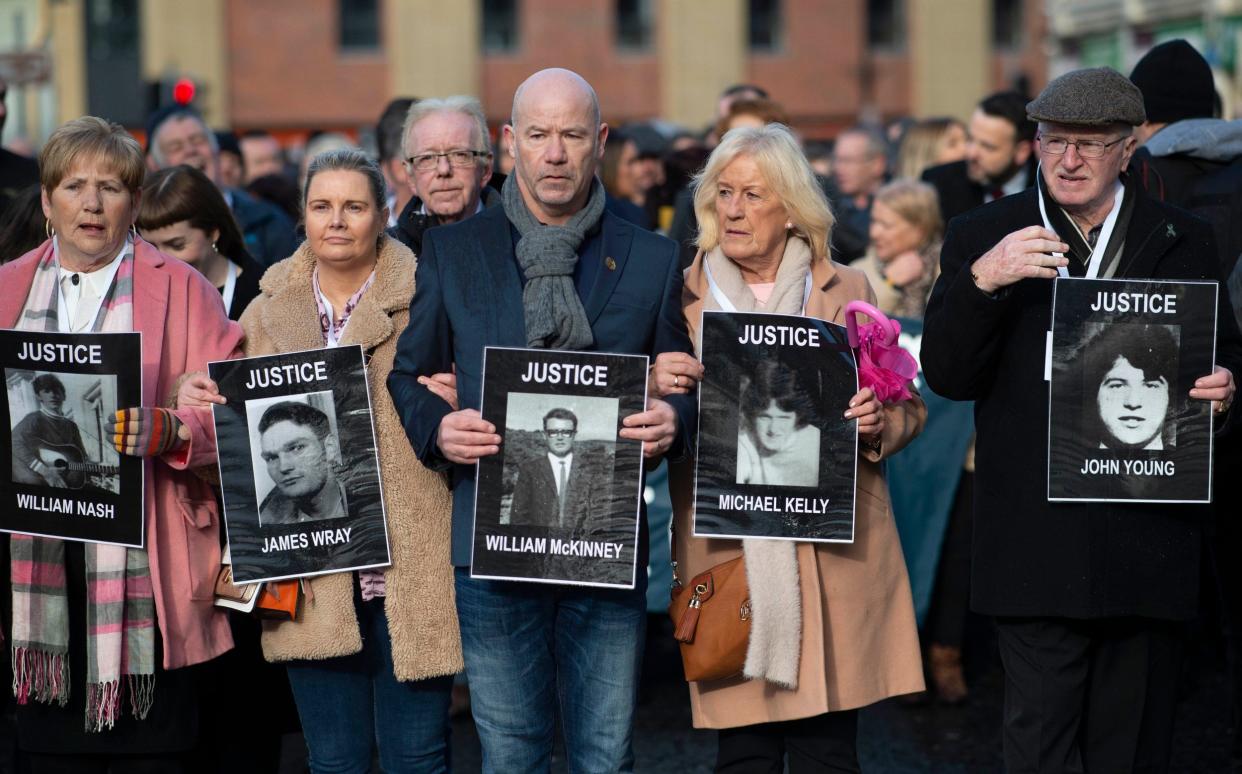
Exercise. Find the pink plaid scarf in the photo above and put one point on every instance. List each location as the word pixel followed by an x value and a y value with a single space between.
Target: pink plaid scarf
pixel 120 605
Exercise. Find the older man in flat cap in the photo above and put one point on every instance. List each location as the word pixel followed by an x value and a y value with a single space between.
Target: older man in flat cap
pixel 1087 597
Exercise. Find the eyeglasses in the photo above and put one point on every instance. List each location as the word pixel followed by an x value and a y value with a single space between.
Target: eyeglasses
pixel 458 158
pixel 560 433
pixel 1087 149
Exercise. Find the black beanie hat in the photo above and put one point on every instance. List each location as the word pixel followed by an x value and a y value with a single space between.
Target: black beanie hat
pixel 1176 82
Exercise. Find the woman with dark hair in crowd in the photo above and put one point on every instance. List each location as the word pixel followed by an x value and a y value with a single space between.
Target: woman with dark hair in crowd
pixel 372 654
pixel 105 638
pixel 616 173
pixel 751 113
pixel 184 215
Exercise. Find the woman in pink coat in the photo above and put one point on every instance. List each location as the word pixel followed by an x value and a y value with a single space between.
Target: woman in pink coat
pixel 85 696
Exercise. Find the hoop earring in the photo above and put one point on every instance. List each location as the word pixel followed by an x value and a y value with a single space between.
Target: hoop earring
pixel 133 230
pixel 48 229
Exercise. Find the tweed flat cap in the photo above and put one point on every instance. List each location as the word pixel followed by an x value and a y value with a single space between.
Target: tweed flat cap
pixel 1095 96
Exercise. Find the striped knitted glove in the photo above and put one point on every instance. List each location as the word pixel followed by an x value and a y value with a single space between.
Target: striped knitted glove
pixel 146 432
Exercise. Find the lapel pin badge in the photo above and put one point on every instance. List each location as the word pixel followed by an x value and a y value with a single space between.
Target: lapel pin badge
pixel 610 263
pixel 1169 231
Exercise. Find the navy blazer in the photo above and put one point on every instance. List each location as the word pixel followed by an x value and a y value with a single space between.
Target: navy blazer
pixel 468 295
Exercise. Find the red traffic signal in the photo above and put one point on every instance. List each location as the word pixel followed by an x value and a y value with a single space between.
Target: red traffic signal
pixel 183 91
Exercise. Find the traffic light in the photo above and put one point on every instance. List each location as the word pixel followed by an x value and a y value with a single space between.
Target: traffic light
pixel 173 91
pixel 183 91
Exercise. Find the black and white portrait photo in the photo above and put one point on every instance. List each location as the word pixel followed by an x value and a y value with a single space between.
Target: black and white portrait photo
pixel 777 458
pixel 57 422
pixel 63 476
pixel 299 469
pixel 1121 424
pixel 778 438
pixel 559 453
pixel 296 475
pixel 1130 386
pixel 560 503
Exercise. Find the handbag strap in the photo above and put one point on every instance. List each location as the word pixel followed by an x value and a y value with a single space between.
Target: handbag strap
pixel 672 551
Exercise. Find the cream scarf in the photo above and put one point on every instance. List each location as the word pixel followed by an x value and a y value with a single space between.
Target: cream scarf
pixel 771 565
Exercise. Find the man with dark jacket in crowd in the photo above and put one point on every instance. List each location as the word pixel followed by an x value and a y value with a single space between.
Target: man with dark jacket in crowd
pixel 999 157
pixel 1192 159
pixel 549 268
pixel 1189 157
pixel 448 161
pixel 180 136
pixel 389 144
pixel 859 168
pixel 1087 596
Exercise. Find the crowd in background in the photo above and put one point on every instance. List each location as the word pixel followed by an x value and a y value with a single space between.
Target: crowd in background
pixel 230 204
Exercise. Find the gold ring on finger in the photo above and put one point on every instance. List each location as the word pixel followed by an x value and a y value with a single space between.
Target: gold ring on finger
pixel 676 380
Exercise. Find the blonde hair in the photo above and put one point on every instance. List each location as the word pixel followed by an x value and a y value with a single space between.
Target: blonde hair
pixel 785 170
pixel 91 138
pixel 915 202
pixel 921 145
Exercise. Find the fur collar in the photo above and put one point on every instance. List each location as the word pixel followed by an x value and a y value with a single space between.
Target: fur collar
pixel 290 315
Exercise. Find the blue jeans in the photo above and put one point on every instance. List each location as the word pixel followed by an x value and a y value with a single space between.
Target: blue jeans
pixel 350 705
pixel 534 649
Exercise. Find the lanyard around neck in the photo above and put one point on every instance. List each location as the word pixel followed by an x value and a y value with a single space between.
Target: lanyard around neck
pixel 1101 242
pixel 230 284
pixel 726 305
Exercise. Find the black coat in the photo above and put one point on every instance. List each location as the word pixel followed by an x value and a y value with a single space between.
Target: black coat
pixel 1032 557
pixel 412 224
pixel 270 235
pixel 16 173
pixel 957 192
pixel 1208 188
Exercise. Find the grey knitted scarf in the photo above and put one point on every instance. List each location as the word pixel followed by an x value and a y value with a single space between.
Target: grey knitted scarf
pixel 547 255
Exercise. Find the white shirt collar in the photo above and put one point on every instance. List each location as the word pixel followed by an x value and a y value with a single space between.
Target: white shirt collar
pixel 100 279
pixel 1017 183
pixel 556 461
pixel 422 206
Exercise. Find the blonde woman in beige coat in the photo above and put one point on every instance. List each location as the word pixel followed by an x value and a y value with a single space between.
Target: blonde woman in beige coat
pixel 371 656
pixel 842 634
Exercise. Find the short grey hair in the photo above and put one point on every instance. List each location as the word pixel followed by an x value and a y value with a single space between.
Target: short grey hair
pixel 153 146
pixel 348 160
pixel 461 103
pixel 876 145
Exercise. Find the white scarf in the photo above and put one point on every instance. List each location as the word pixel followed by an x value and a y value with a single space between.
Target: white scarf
pixel 775 646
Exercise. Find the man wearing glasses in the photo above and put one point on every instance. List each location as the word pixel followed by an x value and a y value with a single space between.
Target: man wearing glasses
pixel 1087 597
pixel 448 161
pixel 561 487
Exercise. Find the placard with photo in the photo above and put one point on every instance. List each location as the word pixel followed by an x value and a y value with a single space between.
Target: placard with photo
pixel 62 477
pixel 299 468
pixel 776 456
pixel 560 503
pixel 1121 425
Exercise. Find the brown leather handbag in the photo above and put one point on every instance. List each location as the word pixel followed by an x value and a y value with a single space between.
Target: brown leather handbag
pixel 712 620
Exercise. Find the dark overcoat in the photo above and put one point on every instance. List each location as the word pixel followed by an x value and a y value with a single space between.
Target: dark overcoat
pixel 469 296
pixel 1032 557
